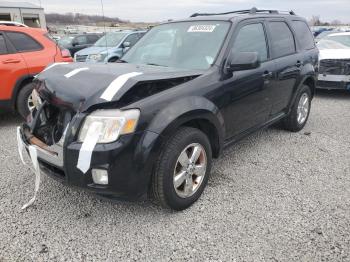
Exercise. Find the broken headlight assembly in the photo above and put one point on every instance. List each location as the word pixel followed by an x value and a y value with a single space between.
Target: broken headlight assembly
pixel 113 123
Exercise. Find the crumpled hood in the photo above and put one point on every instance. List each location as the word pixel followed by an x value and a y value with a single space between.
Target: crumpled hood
pixel 81 85
pixel 334 54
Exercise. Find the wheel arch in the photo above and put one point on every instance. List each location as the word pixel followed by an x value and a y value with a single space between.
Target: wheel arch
pixel 21 82
pixel 197 112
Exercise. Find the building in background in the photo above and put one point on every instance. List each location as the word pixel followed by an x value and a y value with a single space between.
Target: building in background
pixel 22 12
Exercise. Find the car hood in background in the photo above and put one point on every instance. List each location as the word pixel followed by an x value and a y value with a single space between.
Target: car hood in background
pixel 79 86
pixel 94 50
pixel 334 54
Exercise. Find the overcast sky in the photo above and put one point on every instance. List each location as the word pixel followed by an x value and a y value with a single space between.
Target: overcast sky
pixel 160 10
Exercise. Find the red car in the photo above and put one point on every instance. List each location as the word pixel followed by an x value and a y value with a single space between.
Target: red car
pixel 24 52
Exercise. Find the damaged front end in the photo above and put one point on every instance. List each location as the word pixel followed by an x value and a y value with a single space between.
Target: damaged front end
pixel 46 128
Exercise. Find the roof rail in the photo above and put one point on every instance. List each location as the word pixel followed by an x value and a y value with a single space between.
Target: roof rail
pixel 253 10
pixel 11 23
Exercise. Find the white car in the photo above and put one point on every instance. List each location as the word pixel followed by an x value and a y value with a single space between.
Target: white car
pixel 334 61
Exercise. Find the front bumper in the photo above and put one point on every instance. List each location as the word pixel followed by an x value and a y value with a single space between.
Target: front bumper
pixel 333 82
pixel 128 162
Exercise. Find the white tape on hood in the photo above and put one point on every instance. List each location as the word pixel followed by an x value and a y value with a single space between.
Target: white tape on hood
pixel 20 145
pixel 117 84
pixel 53 65
pixel 75 71
pixel 88 146
pixel 34 157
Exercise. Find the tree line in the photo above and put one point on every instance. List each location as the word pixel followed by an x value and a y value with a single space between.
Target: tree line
pixel 81 19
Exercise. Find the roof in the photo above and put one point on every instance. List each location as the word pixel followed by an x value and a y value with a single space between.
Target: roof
pixel 5 4
pixel 253 12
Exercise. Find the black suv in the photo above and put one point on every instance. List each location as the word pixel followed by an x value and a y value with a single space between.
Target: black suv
pixel 153 122
pixel 75 43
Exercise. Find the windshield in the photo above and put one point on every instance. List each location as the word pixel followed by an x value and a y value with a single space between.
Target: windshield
pixel 335 42
pixel 65 41
pixel 110 39
pixel 190 45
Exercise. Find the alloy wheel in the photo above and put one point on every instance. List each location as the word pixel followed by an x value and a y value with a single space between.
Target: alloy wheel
pixel 303 108
pixel 190 170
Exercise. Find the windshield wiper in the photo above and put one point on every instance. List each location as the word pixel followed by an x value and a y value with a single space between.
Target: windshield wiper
pixel 153 64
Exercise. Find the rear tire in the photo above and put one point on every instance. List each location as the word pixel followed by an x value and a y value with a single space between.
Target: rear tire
pixel 178 181
pixel 299 114
pixel 23 100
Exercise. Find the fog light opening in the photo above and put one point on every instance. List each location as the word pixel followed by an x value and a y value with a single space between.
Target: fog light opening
pixel 100 176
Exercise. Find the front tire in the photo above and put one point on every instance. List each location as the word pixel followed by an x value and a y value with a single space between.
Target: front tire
pixel 299 114
pixel 182 170
pixel 24 101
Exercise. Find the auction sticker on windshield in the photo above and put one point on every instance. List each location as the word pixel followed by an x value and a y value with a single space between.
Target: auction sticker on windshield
pixel 201 29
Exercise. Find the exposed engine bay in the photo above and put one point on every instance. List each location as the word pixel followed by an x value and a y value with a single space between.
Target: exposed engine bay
pixel 48 123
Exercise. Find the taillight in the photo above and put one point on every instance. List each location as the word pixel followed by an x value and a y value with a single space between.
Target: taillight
pixel 65 53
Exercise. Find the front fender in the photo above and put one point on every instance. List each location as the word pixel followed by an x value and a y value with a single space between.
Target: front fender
pixel 184 110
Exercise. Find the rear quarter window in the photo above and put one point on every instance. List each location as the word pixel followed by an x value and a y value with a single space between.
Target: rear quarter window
pixel 3 48
pixel 282 39
pixel 304 35
pixel 23 42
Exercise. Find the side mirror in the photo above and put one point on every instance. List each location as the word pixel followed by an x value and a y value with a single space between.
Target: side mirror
pixel 242 61
pixel 75 43
pixel 126 45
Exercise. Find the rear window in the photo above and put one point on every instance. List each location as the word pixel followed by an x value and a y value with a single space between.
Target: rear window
pixel 3 48
pixel 282 40
pixel 23 42
pixel 304 35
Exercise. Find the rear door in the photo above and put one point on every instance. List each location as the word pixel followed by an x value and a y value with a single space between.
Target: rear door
pixel 288 63
pixel 36 56
pixel 12 68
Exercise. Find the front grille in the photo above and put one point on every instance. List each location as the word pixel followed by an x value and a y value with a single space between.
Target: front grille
pixel 335 66
pixel 331 85
pixel 80 58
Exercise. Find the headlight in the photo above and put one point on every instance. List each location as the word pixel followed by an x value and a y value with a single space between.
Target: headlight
pixel 114 123
pixel 97 57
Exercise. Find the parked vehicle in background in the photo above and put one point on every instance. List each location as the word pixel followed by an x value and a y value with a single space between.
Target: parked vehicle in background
pixel 110 47
pixel 153 122
pixel 334 61
pixel 318 31
pixel 75 43
pixel 24 52
pixel 324 34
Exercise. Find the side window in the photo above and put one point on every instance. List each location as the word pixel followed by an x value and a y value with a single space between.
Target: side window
pixel 304 35
pixel 92 38
pixel 282 40
pixel 3 48
pixel 23 42
pixel 132 39
pixel 81 40
pixel 251 38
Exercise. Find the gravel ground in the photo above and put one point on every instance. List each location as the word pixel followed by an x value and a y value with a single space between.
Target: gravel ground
pixel 275 196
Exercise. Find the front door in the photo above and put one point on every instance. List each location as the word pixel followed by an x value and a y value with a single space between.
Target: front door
pixel 248 92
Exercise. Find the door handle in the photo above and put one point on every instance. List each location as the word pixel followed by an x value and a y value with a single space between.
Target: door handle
pixel 11 61
pixel 299 64
pixel 267 75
